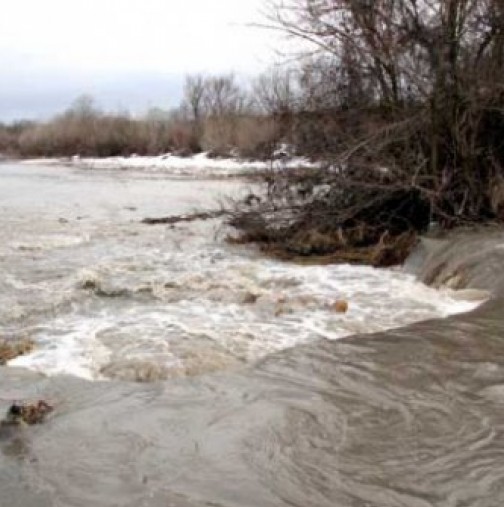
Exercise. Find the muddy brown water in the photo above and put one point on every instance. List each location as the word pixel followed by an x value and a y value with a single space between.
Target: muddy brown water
pixel 410 417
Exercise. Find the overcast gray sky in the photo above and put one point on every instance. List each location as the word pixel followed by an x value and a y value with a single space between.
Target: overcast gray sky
pixel 129 54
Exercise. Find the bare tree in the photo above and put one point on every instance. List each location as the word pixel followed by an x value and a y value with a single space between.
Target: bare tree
pixel 223 96
pixel 275 91
pixel 417 89
pixel 84 108
pixel 194 95
pixel 193 103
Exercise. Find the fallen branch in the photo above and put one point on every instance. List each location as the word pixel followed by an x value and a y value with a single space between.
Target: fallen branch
pixel 175 219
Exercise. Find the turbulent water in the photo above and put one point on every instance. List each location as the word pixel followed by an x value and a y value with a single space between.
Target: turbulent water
pixel 253 400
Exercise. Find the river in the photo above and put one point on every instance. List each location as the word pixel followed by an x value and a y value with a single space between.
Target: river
pixel 187 372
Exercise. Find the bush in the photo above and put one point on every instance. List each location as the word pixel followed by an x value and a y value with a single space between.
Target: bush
pixel 256 137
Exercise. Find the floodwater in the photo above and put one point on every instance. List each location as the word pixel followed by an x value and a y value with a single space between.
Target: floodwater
pixel 186 372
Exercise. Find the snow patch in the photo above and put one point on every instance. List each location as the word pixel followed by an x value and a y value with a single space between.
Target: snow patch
pixel 196 165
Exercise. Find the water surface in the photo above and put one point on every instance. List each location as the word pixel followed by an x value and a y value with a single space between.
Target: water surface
pixel 263 403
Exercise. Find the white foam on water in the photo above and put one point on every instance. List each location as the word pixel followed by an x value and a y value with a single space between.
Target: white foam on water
pixel 67 348
pixel 244 308
pixel 48 242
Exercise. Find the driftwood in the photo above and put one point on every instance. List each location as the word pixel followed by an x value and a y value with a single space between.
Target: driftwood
pixel 27 413
pixel 9 350
pixel 175 219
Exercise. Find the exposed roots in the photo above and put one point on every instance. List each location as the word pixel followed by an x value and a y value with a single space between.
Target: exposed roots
pixel 366 226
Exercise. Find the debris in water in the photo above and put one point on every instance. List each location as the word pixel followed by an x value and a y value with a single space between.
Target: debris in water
pixel 90 284
pixel 11 349
pixel 249 298
pixel 340 306
pixel 172 220
pixel 27 413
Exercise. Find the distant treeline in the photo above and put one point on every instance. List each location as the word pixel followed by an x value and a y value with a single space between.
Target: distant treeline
pixel 298 105
pixel 216 115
